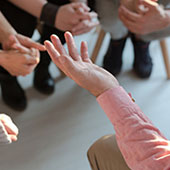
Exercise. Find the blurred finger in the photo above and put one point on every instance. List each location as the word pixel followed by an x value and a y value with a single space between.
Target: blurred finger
pixel 10 127
pixel 4 137
pixel 80 11
pixel 128 14
pixel 84 52
pixel 149 4
pixel 29 59
pixel 29 43
pixel 77 5
pixel 57 44
pixel 87 15
pixel 20 48
pixel 84 27
pixel 128 23
pixel 71 46
pixel 13 138
pixel 54 54
pixel 35 53
pixel 93 14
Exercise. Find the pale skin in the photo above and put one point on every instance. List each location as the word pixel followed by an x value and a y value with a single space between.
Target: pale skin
pixel 10 39
pixel 78 22
pixel 9 126
pixel 20 55
pixel 155 18
pixel 79 67
pixel 18 63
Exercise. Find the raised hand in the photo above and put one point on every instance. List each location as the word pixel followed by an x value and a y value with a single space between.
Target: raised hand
pixel 79 67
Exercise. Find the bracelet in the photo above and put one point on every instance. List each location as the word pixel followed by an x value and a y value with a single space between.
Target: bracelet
pixel 48 14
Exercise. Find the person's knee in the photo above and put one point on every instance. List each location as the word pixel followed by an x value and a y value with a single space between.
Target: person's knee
pixel 98 151
pixel 105 154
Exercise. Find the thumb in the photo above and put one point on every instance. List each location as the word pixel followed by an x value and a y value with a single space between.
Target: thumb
pixel 20 48
pixel 11 41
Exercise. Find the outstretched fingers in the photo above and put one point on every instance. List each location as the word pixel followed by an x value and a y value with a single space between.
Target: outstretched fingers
pixel 84 52
pixel 54 54
pixel 51 50
pixel 59 60
pixel 72 47
pixel 58 45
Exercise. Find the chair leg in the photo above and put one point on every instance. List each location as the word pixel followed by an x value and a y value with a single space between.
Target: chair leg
pixel 98 45
pixel 165 56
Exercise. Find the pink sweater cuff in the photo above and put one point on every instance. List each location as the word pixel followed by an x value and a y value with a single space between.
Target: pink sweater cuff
pixel 114 100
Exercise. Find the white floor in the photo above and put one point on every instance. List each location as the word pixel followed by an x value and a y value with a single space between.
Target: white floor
pixel 56 131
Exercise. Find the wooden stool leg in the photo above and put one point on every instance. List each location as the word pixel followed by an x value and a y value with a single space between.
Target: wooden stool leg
pixel 165 56
pixel 98 45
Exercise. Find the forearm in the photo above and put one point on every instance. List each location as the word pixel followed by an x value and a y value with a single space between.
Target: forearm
pixel 33 7
pixel 141 143
pixel 5 28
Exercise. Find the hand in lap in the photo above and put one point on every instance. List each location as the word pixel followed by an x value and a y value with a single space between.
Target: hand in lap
pixel 79 67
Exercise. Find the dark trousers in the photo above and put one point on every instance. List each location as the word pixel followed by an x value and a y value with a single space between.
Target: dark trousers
pixel 24 23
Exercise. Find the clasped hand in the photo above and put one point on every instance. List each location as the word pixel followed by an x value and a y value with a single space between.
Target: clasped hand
pixel 76 18
pixel 142 22
pixel 21 54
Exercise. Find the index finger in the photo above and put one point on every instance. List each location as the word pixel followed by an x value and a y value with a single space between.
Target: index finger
pixel 57 44
pixel 54 54
pixel 20 48
pixel 38 46
pixel 88 15
pixel 29 43
pixel 77 5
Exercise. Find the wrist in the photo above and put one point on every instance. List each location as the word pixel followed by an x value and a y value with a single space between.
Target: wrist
pixel 102 89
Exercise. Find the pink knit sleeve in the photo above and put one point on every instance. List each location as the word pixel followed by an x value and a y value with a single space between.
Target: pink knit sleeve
pixel 141 143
